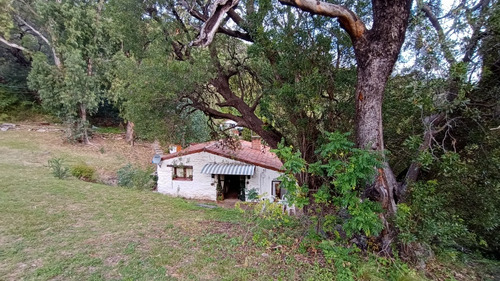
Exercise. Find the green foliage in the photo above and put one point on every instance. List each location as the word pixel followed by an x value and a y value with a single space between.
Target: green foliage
pixel 73 89
pixel 346 170
pixel 301 87
pixel 341 257
pixel 147 95
pixel 83 172
pixel 470 188
pixel 253 194
pixel 264 212
pixel 56 165
pixel 134 177
pixel 5 18
pixel 16 101
pixel 427 219
pixel 246 134
pixel 349 265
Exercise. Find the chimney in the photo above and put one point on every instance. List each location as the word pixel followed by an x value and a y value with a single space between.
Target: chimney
pixel 256 143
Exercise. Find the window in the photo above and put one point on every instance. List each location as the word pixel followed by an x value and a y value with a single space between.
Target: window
pixel 182 173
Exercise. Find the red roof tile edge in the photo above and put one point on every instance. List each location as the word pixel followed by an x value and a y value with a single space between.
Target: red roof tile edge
pixel 205 147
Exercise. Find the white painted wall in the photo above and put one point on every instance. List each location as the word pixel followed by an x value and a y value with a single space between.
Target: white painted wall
pixel 203 186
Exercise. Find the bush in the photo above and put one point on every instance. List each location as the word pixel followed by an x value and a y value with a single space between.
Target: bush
pixel 133 177
pixel 432 220
pixel 253 194
pixel 83 172
pixel 57 168
pixel 343 171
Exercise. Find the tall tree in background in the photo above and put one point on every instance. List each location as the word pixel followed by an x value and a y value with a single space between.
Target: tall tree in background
pixel 144 77
pixel 74 85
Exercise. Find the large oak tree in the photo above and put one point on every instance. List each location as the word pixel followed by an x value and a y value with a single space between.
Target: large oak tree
pixel 376 50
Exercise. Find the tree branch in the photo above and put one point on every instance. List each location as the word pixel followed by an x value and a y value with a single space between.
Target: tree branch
pixel 217 11
pixel 256 103
pixel 348 19
pixel 217 114
pixel 233 33
pixel 235 17
pixel 13 45
pixel 448 55
pixel 57 61
pixel 481 4
pixel 476 32
pixel 177 46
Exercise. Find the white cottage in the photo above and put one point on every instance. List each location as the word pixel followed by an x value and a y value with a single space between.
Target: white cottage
pixel 213 171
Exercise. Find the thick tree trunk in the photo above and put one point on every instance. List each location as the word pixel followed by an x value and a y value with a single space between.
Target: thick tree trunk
pixel 376 53
pixel 369 129
pixel 369 134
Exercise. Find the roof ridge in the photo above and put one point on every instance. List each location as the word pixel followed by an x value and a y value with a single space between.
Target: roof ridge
pixel 210 143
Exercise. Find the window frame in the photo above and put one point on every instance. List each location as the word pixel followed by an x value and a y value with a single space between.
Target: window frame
pixel 175 176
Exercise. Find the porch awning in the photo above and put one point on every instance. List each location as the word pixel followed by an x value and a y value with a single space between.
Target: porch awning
pixel 228 169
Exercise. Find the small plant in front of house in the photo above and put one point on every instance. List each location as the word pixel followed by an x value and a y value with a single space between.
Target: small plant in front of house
pixel 253 194
pixel 130 176
pixel 83 172
pixel 220 194
pixel 56 165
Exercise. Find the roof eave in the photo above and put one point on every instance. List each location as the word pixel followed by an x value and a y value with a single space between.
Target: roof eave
pixel 179 154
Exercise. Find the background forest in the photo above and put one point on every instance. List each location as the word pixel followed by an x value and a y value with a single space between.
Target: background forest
pixel 309 82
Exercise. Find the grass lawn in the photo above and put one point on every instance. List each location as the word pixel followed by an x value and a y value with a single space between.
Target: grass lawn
pixel 74 230
pixel 52 229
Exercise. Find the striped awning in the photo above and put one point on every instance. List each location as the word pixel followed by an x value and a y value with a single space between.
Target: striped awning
pixel 228 169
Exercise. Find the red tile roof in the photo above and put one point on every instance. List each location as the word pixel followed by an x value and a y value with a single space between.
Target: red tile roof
pixel 244 153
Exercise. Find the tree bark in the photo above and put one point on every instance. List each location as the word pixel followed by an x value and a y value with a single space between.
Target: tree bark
pixel 130 134
pixel 376 53
pixel 83 118
pixel 14 45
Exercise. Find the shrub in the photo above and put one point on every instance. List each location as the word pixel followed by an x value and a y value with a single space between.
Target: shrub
pixel 134 177
pixel 253 194
pixel 344 171
pixel 425 218
pixel 341 257
pixel 84 172
pixel 57 168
